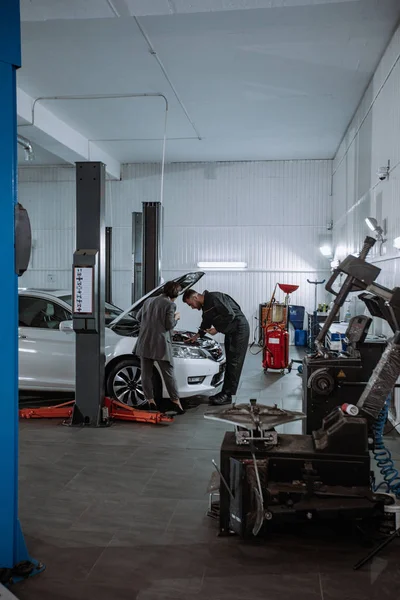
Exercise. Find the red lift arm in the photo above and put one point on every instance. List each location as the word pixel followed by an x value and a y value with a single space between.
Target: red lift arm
pixel 116 412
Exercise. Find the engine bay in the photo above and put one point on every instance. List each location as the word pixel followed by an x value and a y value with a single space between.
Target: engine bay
pixel 211 346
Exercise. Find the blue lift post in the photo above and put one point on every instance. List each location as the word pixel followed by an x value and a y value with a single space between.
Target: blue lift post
pixel 14 555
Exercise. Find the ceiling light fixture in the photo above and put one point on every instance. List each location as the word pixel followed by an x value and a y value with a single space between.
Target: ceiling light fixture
pixel 222 265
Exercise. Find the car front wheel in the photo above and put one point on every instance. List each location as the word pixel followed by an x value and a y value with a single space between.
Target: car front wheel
pixel 124 383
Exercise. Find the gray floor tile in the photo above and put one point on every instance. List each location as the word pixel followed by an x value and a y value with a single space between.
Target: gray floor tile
pixel 381 585
pixel 251 385
pixel 67 536
pixel 335 557
pixel 260 587
pixel 123 512
pixel 121 479
pixel 142 534
pixel 41 453
pixel 45 588
pixel 65 563
pixel 178 589
pixel 177 487
pixel 47 476
pixel 148 563
pixel 78 456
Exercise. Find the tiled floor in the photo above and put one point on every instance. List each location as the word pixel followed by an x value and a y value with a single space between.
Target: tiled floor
pixel 119 514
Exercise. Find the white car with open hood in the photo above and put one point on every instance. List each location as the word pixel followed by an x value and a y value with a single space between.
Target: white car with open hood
pixel 47 349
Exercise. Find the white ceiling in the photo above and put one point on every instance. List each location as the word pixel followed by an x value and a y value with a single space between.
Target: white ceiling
pixel 254 79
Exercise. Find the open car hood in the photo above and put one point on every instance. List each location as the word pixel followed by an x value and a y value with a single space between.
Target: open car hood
pixel 185 281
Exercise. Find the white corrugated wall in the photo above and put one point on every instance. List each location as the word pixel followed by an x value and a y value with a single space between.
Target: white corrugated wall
pixel 268 214
pixel 49 196
pixel 372 139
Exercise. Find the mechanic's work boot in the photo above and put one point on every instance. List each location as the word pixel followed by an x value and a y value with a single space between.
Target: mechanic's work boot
pixel 220 399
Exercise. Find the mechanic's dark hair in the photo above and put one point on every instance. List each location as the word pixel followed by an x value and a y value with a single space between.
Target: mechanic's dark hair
pixel 172 289
pixel 188 294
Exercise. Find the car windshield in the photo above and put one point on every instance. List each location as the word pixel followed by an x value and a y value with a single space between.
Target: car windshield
pixel 111 311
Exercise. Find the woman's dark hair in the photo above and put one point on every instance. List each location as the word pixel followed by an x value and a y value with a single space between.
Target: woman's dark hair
pixel 172 289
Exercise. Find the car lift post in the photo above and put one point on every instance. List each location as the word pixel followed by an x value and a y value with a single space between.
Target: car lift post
pixel 89 294
pixel 13 550
pixel 152 245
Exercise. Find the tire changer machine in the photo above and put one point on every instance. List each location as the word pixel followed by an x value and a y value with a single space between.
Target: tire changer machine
pixel 267 477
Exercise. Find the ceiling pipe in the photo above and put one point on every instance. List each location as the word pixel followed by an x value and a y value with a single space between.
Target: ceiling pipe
pixel 153 52
pixel 112 97
pixel 164 71
pixel 27 146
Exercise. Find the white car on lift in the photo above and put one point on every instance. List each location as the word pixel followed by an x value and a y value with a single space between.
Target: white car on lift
pixel 47 349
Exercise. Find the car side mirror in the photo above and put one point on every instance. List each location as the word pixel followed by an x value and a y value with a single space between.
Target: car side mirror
pixel 66 327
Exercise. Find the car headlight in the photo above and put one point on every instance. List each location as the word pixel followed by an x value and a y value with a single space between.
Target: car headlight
pixel 187 352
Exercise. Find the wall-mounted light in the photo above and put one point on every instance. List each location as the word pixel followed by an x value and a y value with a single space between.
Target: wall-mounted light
pixel 372 223
pixel 374 226
pixel 326 250
pixel 223 265
pixel 396 243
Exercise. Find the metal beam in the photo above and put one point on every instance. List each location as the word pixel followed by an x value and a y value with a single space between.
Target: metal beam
pixel 55 136
pixel 109 264
pixel 152 245
pixel 12 544
pixel 137 250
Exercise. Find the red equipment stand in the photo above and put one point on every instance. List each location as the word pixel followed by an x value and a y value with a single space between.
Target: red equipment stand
pixel 276 348
pixel 116 412
pixel 276 337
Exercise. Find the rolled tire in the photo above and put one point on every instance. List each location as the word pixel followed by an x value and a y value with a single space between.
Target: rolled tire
pixel 124 383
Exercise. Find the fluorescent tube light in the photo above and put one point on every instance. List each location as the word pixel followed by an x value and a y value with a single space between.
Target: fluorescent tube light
pixel 222 265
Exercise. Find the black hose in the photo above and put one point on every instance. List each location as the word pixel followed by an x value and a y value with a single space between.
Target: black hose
pixel 255 342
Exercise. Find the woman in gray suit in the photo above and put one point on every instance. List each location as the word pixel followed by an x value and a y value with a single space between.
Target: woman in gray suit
pixel 157 318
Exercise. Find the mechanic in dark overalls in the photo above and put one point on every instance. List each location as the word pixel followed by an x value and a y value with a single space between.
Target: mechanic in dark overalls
pixel 222 314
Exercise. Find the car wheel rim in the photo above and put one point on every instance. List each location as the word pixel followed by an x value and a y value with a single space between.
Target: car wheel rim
pixel 127 386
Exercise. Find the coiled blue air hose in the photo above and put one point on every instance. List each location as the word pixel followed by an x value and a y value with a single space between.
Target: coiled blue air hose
pixel 383 456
